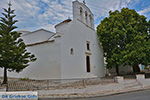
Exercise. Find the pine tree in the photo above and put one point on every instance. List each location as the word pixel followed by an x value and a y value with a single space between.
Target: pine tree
pixel 13 53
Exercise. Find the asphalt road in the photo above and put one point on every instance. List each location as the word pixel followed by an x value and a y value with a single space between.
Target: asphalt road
pixel 140 95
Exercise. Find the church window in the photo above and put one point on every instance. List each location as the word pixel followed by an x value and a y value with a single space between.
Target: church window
pixel 86 16
pixel 81 10
pixel 81 13
pixel 88 45
pixel 71 51
pixel 91 20
pixel 88 64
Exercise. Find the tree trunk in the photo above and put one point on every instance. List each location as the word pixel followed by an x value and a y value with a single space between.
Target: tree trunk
pixel 5 76
pixel 136 69
pixel 117 70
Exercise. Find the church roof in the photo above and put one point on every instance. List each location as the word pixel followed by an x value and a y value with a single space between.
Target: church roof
pixel 37 43
pixel 22 31
pixel 43 30
pixel 28 32
pixel 50 39
pixel 39 36
pixel 65 21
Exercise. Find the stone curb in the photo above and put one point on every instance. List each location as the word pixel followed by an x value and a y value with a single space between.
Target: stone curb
pixel 92 94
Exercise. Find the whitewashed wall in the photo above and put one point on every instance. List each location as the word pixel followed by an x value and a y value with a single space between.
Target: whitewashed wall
pixel 75 35
pixel 46 66
pixel 74 66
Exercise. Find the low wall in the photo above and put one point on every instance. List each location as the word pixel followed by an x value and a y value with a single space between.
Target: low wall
pixel 80 87
pixel 120 85
pixel 54 84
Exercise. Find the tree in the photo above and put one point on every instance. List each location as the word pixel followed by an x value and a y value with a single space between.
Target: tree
pixel 13 53
pixel 124 37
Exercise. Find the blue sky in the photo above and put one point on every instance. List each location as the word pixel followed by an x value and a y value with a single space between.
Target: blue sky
pixel 36 14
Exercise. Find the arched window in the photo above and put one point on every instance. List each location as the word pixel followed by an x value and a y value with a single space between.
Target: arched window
pixel 88 45
pixel 91 20
pixel 71 51
pixel 86 16
pixel 81 10
pixel 81 13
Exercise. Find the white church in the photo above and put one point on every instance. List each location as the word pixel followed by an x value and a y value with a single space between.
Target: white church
pixel 72 52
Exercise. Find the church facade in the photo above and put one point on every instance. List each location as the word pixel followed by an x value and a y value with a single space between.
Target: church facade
pixel 72 52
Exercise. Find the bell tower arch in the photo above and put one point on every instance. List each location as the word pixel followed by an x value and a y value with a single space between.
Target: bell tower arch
pixel 82 13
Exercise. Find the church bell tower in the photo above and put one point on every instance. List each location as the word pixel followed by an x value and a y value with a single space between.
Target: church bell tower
pixel 82 13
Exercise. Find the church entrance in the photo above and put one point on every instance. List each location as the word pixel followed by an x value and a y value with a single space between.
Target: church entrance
pixel 88 64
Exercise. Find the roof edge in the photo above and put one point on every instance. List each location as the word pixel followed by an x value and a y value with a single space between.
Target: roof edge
pixel 38 43
pixel 37 31
pixel 63 22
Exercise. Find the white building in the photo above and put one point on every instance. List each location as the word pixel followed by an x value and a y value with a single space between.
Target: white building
pixel 72 52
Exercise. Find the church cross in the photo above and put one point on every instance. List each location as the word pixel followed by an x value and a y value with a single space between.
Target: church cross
pixel 9 4
pixel 84 1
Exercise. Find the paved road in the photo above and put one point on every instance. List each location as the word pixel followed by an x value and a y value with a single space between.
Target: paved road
pixel 140 95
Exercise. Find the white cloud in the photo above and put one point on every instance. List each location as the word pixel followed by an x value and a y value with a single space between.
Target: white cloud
pixel 27 11
pixel 24 8
pixel 146 10
pixel 102 7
